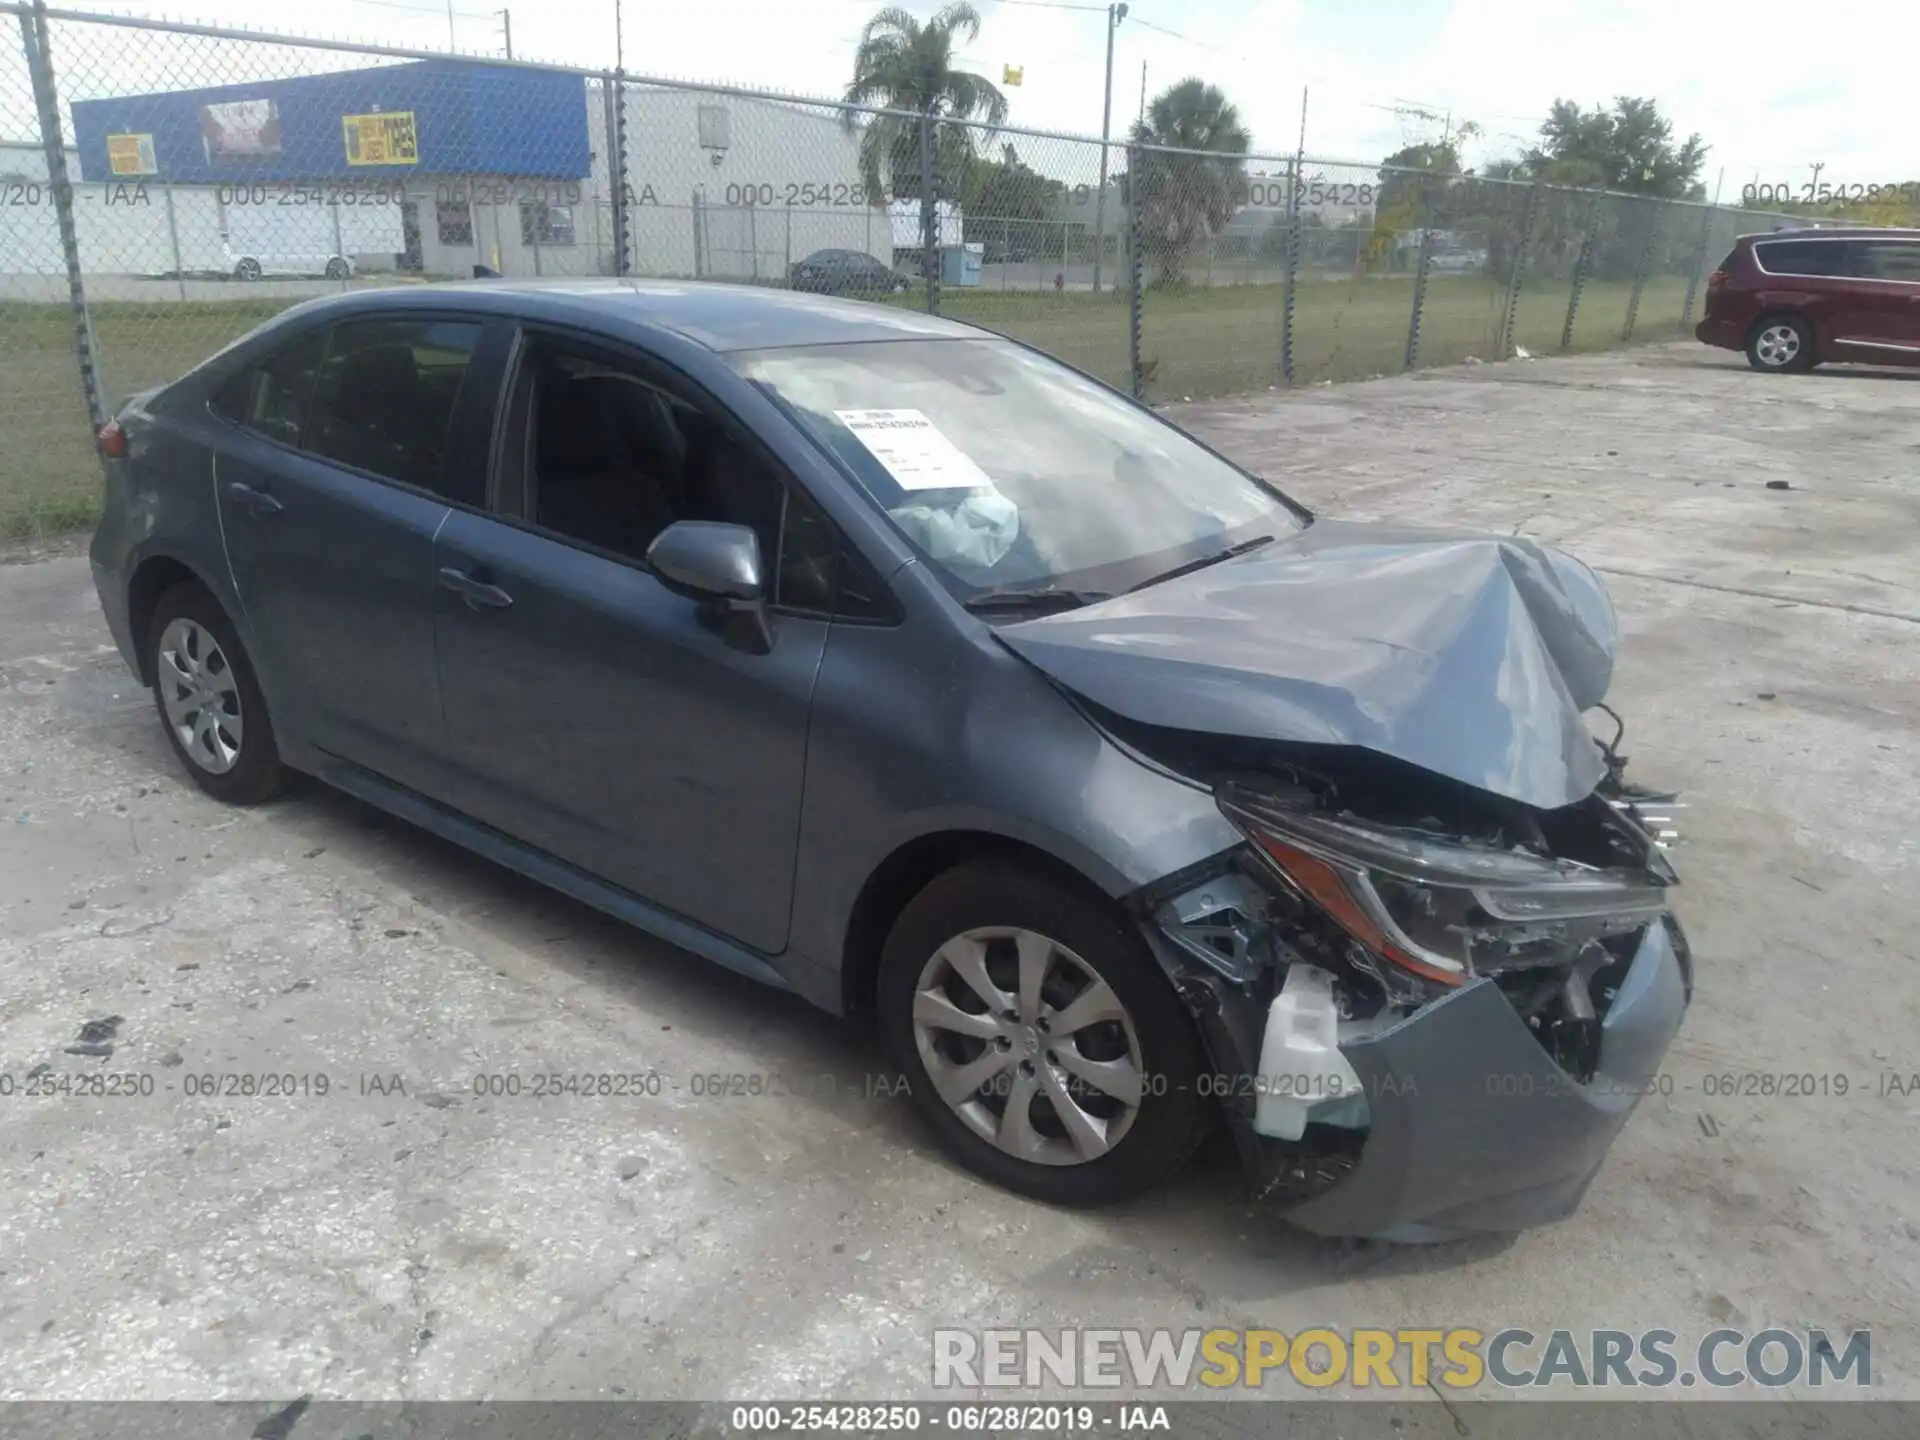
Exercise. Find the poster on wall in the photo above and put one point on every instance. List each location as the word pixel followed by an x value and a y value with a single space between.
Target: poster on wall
pixel 236 130
pixel 131 155
pixel 386 138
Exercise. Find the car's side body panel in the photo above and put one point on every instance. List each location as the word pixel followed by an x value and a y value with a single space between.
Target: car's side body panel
pixel 1857 308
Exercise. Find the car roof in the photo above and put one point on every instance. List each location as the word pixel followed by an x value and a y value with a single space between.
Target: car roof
pixel 1835 232
pixel 720 317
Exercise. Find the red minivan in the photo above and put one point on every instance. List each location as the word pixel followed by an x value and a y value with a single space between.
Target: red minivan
pixel 1794 299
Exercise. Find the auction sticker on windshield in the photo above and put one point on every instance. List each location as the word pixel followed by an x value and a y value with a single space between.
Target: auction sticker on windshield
pixel 913 450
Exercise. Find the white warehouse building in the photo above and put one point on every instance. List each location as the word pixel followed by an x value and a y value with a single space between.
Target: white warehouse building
pixel 246 180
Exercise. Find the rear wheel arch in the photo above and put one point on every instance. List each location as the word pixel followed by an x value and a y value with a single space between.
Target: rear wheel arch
pixel 914 865
pixel 152 578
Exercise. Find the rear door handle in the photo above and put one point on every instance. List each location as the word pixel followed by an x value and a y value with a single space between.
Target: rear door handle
pixel 258 501
pixel 477 593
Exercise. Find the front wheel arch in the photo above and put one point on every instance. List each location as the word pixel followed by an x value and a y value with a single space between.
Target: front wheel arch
pixel 908 870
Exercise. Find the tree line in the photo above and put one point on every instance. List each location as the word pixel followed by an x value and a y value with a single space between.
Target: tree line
pixel 1185 176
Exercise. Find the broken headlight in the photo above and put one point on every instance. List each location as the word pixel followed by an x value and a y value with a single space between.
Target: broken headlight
pixel 1443 908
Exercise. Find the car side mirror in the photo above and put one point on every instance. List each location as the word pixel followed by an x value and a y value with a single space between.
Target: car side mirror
pixel 718 565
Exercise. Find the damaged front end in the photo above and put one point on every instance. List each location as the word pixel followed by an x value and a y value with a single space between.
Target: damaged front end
pixel 1430 1008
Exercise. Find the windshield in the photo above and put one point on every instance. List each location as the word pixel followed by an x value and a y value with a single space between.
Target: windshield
pixel 1007 471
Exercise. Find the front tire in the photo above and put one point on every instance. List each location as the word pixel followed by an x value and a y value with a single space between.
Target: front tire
pixel 338 268
pixel 247 269
pixel 210 704
pixel 1040 1040
pixel 1780 344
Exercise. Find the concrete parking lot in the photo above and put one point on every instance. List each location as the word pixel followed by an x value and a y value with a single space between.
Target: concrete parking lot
pixel 406 1235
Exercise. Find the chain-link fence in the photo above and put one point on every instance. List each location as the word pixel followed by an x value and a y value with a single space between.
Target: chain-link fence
pixel 165 187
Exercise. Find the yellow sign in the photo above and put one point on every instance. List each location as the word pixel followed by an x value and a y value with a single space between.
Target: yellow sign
pixel 388 138
pixel 131 155
pixel 1011 74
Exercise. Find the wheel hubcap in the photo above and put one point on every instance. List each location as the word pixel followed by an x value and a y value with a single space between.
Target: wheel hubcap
pixel 1028 1045
pixel 1778 344
pixel 200 696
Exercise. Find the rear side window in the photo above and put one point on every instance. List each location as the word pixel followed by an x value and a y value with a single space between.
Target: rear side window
pixel 272 398
pixel 1886 260
pixel 1802 257
pixel 384 397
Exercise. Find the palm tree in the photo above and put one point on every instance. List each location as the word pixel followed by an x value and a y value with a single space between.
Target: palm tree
pixel 904 65
pixel 1191 171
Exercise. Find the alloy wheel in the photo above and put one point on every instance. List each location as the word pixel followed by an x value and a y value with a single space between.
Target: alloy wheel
pixel 1028 1045
pixel 1778 346
pixel 200 695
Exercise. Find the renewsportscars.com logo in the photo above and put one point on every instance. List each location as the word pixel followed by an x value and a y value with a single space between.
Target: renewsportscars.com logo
pixel 1457 1357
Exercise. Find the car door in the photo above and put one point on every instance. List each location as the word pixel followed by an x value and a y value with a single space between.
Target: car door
pixel 592 711
pixel 347 444
pixel 1886 281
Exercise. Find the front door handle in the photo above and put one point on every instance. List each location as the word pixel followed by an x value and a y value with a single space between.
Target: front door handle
pixel 477 593
pixel 258 501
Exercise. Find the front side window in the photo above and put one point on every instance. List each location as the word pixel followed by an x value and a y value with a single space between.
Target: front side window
pixel 1887 260
pixel 385 395
pixel 1008 471
pixel 614 459
pixel 272 398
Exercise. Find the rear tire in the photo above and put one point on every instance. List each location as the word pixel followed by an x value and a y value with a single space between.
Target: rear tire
pixel 1082 1032
pixel 1780 344
pixel 338 269
pixel 210 704
pixel 247 269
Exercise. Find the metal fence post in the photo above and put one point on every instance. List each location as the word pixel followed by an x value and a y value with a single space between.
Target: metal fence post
pixel 1640 270
pixel 1699 262
pixel 1291 274
pixel 34 37
pixel 1134 372
pixel 929 216
pixel 1580 264
pixel 616 123
pixel 339 245
pixel 173 238
pixel 1522 258
pixel 1428 214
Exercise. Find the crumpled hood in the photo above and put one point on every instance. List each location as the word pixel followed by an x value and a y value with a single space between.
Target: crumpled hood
pixel 1471 656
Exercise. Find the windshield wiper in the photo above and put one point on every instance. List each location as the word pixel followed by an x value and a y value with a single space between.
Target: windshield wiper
pixel 1205 560
pixel 1034 601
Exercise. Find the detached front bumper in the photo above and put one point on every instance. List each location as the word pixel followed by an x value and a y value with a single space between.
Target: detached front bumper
pixel 1473 1127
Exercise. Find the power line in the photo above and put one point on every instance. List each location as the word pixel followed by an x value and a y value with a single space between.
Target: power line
pixel 1050 5
pixel 1176 35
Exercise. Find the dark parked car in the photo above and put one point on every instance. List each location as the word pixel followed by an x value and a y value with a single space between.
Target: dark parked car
pixel 902 667
pixel 1796 298
pixel 845 272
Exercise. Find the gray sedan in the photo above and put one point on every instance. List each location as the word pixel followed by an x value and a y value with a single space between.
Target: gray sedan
pixel 897 665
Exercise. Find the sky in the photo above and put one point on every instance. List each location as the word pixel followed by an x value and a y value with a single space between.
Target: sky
pixel 1378 74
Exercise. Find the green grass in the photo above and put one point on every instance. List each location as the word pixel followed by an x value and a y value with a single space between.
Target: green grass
pixel 1194 343
pixel 1225 340
pixel 49 475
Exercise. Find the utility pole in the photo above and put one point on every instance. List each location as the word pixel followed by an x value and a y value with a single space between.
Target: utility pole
pixel 506 30
pixel 1143 92
pixel 452 42
pixel 1115 14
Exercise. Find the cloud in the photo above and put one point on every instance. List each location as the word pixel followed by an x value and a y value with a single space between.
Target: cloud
pixel 1499 62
